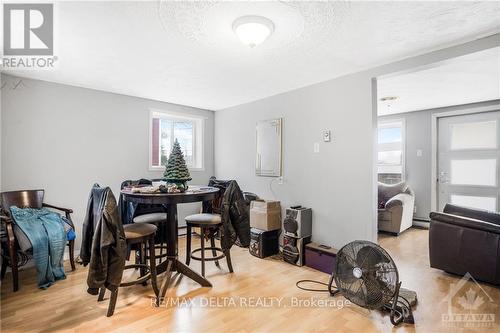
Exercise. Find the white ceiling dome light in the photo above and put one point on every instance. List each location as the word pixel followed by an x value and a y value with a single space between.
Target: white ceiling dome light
pixel 253 30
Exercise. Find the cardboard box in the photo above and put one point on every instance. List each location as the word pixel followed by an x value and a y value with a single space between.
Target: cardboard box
pixel 265 215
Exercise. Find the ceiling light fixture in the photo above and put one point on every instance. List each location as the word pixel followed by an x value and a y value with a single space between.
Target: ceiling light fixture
pixel 253 30
pixel 388 98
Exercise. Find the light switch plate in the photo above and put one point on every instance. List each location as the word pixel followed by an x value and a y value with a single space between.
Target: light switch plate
pixel 327 136
pixel 316 147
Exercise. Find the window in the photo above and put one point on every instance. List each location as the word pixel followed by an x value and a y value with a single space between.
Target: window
pixel 165 129
pixel 474 135
pixel 479 172
pixel 390 164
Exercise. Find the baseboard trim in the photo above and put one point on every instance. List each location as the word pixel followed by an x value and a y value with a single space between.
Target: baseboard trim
pixel 423 224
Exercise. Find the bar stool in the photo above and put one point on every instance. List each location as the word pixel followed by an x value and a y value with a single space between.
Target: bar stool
pixel 159 220
pixel 145 213
pixel 141 234
pixel 211 223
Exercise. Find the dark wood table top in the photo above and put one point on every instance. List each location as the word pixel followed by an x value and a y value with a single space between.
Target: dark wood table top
pixel 203 193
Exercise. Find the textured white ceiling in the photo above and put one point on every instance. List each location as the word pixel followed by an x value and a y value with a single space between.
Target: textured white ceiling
pixel 186 53
pixel 467 79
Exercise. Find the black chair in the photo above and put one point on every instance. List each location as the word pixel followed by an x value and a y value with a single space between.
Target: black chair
pixel 466 240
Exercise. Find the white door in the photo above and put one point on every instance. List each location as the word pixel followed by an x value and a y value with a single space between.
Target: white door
pixel 468 160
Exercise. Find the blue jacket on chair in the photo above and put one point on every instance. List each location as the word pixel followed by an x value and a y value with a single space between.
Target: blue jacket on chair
pixel 45 230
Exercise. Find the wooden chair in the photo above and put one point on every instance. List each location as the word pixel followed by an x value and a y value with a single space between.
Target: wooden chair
pixel 23 199
pixel 143 236
pixel 145 213
pixel 208 224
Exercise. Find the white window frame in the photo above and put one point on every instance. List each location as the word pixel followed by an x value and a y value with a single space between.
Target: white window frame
pixel 382 123
pixel 198 141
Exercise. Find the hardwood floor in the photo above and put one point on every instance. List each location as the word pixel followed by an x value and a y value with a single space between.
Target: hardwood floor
pixel 66 306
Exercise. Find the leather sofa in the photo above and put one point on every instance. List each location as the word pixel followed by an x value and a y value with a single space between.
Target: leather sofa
pixel 396 204
pixel 465 240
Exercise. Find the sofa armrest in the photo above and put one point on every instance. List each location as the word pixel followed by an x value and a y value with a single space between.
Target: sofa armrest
pixel 400 199
pixel 465 222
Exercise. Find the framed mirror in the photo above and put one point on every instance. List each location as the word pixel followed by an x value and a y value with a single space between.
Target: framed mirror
pixel 268 150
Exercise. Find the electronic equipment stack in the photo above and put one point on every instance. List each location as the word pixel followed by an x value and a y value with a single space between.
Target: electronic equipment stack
pixel 297 227
pixel 264 243
pixel 265 222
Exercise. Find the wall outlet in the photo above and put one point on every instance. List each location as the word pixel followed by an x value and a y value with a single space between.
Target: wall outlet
pixel 316 147
pixel 419 152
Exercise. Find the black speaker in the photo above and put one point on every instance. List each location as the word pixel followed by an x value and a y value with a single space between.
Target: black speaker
pixel 294 249
pixel 264 243
pixel 298 222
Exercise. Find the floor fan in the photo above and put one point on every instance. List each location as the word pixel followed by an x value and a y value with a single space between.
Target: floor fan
pixel 366 275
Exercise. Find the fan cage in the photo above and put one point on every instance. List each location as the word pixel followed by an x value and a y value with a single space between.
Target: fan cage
pixel 377 285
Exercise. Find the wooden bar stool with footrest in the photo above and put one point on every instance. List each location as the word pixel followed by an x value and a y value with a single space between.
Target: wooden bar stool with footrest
pixel 141 235
pixel 209 224
pixel 158 220
pixel 146 213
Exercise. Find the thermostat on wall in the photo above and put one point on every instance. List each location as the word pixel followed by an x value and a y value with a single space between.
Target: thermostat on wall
pixel 327 137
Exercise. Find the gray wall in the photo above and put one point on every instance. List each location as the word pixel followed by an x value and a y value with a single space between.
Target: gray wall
pixel 63 139
pixel 335 182
pixel 418 137
pixel 339 182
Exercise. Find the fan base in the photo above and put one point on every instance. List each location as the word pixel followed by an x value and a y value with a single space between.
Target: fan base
pixel 409 295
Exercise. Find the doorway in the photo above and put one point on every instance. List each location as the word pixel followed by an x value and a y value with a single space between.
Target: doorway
pixel 414 107
pixel 468 155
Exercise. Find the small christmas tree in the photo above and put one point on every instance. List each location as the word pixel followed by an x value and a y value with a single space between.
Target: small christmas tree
pixel 176 170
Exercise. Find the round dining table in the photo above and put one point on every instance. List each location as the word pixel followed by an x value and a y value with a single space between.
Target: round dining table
pixel 169 202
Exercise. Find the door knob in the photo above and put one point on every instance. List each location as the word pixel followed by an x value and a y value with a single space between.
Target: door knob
pixel 443 177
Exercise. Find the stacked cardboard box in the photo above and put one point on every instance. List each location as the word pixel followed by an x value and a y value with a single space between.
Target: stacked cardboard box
pixel 265 220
